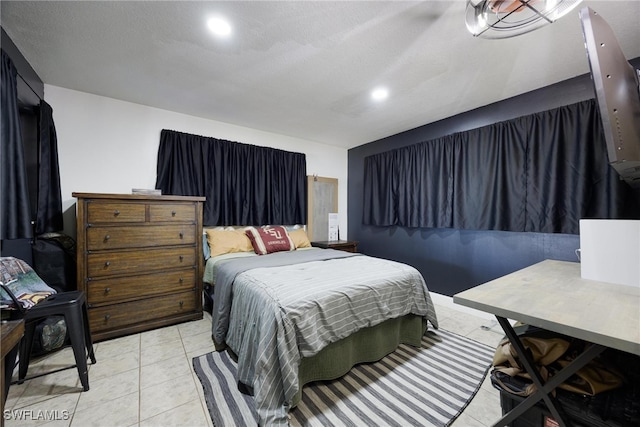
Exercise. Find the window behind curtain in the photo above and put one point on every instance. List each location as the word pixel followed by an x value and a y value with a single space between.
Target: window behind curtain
pixel 244 184
pixel 539 173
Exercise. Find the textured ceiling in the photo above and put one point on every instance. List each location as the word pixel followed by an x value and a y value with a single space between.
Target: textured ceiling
pixel 302 68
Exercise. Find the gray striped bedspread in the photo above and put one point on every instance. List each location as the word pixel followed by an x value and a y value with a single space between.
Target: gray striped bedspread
pixel 282 313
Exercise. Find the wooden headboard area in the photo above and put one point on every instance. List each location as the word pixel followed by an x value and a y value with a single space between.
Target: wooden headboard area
pixel 243 183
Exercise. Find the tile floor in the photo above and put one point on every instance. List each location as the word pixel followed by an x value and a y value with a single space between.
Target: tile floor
pixel 147 379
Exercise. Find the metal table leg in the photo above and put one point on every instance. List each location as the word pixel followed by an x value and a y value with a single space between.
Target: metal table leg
pixel 543 391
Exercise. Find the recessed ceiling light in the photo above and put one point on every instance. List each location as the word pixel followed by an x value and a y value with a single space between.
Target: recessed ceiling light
pixel 380 94
pixel 219 26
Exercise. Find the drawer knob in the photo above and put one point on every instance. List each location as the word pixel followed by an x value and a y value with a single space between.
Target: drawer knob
pixel 107 290
pixel 116 212
pixel 181 235
pixel 181 280
pixel 181 258
pixel 173 213
pixel 107 237
pixel 107 317
pixel 181 304
pixel 107 264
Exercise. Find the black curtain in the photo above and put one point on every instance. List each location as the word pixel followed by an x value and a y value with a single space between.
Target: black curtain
pixel 49 213
pixel 539 173
pixel 379 175
pixel 568 174
pixel 400 176
pixel 15 215
pixel 244 184
pixel 490 177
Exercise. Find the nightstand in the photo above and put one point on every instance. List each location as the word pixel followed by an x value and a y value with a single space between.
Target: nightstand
pixel 341 245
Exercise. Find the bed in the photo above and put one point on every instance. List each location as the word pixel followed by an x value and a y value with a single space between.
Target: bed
pixel 301 314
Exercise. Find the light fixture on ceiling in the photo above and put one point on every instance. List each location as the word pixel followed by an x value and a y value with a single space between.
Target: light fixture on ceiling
pixel 379 94
pixel 219 26
pixel 499 19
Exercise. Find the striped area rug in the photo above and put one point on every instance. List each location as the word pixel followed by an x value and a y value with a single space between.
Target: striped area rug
pixel 427 386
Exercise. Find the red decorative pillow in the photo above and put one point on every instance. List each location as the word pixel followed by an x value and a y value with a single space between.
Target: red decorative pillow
pixel 266 240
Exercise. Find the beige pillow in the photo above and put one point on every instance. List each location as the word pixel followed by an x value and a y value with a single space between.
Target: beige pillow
pixel 299 237
pixel 228 241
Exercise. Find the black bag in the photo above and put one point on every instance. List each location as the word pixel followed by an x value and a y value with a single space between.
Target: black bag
pixel 54 259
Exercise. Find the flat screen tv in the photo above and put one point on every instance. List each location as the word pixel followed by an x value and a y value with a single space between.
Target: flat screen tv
pixel 617 90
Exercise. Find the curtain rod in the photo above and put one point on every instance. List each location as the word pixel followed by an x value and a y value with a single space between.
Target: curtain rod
pixel 29 86
pixel 10 49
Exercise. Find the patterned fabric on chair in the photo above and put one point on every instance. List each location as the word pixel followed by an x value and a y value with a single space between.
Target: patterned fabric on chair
pixel 27 287
pixel 24 293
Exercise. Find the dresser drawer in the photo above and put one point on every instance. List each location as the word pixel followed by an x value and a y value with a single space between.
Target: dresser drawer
pixel 101 264
pixel 128 313
pixel 101 237
pixel 172 212
pixel 139 260
pixel 115 212
pixel 107 291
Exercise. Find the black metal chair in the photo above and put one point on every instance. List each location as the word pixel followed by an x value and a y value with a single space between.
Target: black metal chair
pixel 72 306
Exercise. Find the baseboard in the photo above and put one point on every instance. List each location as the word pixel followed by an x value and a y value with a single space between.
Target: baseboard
pixel 447 301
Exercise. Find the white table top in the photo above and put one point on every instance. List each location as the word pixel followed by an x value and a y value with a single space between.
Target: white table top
pixel 552 295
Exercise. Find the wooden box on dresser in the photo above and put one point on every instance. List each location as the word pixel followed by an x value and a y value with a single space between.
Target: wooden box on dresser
pixel 140 261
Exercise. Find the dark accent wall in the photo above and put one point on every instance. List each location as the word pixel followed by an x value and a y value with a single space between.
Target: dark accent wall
pixel 454 260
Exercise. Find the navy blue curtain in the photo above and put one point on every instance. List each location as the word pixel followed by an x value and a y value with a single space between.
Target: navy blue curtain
pixel 49 210
pixel 244 184
pixel 539 173
pixel 490 177
pixel 400 176
pixel 15 214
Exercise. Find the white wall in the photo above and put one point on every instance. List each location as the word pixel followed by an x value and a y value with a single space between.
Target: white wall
pixel 111 146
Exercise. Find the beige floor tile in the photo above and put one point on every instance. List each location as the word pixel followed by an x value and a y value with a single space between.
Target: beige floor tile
pixel 462 324
pixel 195 327
pixel 113 347
pixel 15 392
pixel 53 361
pixel 485 407
pixel 492 325
pixel 106 367
pixel 190 414
pixel 465 420
pixel 166 396
pixel 155 352
pixel 488 337
pixel 122 411
pixel 204 350
pixel 162 335
pixel 486 384
pixel 164 370
pixel 48 386
pixel 199 342
pixel 54 412
pixel 444 312
pixel 110 388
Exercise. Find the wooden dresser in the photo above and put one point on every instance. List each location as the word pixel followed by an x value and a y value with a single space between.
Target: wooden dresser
pixel 140 261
